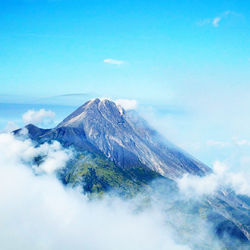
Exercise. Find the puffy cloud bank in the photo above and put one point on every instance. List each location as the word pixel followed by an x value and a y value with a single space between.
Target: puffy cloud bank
pixel 23 152
pixel 38 212
pixel 194 186
pixel 38 117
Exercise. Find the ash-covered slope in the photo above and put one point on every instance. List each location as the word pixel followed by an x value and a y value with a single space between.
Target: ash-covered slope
pixel 124 138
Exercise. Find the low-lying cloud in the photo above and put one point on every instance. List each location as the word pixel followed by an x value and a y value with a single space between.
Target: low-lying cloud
pixel 24 152
pixel 38 212
pixel 193 186
pixel 10 126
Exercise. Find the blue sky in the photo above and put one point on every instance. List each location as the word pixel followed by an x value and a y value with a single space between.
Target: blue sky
pixel 166 45
pixel 192 57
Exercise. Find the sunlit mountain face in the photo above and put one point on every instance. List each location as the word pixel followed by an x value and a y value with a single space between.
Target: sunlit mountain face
pixel 115 153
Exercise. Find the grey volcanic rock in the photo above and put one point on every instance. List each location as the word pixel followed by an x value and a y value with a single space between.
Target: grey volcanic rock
pixel 123 137
pixel 127 140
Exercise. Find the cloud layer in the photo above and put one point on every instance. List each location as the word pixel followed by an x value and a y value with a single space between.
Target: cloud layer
pixel 37 212
pixel 194 186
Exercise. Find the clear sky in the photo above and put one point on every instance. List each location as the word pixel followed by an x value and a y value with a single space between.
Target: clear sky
pixel 59 46
pixel 192 56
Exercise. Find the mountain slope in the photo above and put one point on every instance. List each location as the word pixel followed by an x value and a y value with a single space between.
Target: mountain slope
pixel 96 174
pixel 125 139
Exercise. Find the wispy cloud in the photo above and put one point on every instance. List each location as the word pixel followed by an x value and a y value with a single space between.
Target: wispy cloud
pixel 113 61
pixel 230 143
pixel 10 126
pixel 218 143
pixel 215 21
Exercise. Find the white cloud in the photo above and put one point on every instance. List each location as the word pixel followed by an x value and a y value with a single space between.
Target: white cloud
pixel 38 117
pixel 218 143
pixel 127 104
pixel 231 143
pixel 242 142
pixel 11 126
pixel 56 217
pixel 56 157
pixel 195 186
pixel 113 61
pixel 23 151
pixel 216 20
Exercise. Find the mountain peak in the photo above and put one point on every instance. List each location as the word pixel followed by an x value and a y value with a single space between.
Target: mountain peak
pixel 102 108
pixel 128 141
pixel 104 126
